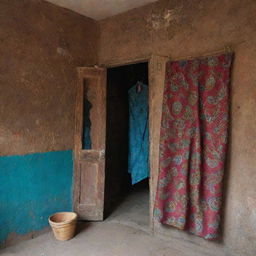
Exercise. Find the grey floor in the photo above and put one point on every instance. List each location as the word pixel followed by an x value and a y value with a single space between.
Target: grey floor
pixel 133 210
pixel 124 233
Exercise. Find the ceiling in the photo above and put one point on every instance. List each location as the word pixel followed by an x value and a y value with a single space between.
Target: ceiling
pixel 100 9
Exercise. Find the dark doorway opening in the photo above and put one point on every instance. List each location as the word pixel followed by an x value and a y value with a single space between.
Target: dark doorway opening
pixel 123 201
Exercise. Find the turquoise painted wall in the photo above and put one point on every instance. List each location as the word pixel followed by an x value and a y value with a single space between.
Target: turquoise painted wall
pixel 33 187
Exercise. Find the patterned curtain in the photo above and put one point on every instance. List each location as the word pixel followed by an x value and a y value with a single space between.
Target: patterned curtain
pixel 193 144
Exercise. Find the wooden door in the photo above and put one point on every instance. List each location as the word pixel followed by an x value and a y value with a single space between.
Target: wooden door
pixel 89 163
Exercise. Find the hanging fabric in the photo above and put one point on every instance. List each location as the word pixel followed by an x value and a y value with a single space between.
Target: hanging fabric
pixel 193 144
pixel 138 165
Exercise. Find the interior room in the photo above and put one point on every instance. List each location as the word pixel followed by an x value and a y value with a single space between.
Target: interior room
pixel 127 140
pixel 127 127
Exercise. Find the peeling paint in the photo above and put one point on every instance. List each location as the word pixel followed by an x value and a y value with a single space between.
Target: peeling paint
pixel 164 18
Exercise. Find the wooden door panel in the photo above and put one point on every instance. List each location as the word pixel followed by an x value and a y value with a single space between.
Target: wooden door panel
pixel 88 179
pixel 89 167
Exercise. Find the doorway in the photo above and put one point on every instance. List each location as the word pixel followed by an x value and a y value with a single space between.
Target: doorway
pixel 127 145
pixel 90 198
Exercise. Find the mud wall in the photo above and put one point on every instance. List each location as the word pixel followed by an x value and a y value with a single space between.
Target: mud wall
pixel 40 47
pixel 182 29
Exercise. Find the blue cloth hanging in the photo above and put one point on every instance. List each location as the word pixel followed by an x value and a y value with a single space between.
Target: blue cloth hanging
pixel 86 142
pixel 138 165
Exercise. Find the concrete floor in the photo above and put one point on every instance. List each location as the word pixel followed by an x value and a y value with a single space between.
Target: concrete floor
pixel 124 233
pixel 133 211
pixel 96 239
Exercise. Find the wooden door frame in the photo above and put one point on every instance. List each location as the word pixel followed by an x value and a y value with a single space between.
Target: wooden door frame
pixel 156 70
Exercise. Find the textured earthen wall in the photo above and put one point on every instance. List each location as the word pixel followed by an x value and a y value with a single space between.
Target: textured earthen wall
pixel 193 28
pixel 40 47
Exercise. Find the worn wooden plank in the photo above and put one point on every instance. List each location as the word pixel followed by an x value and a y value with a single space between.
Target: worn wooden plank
pixel 156 87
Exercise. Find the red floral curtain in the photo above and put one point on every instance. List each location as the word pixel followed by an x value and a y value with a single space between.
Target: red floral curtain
pixel 193 144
